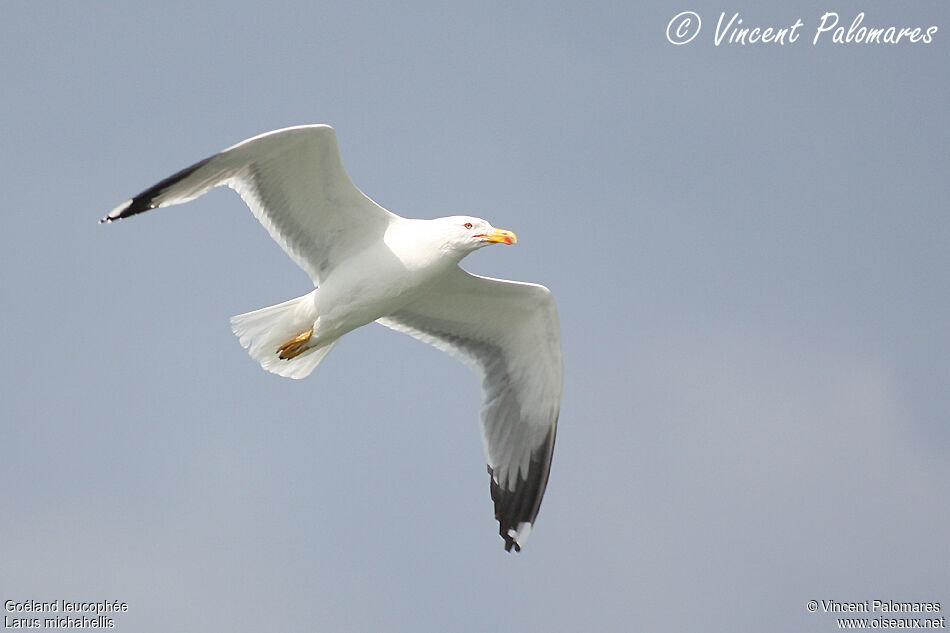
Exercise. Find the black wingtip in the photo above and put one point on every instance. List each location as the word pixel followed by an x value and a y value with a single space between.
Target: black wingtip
pixel 121 211
pixel 151 197
pixel 516 510
pixel 508 512
pixel 511 543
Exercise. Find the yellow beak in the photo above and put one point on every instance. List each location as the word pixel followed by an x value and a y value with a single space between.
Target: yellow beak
pixel 502 236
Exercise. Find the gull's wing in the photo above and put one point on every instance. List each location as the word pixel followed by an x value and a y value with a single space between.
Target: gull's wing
pixel 508 332
pixel 294 183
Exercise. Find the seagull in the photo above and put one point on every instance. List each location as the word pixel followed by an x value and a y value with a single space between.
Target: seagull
pixel 368 264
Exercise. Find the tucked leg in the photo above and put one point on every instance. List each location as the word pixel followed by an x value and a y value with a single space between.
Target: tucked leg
pixel 295 346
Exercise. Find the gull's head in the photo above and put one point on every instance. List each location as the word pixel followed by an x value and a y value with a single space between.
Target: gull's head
pixel 466 234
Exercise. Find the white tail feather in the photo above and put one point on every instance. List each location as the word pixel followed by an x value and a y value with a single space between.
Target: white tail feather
pixel 262 331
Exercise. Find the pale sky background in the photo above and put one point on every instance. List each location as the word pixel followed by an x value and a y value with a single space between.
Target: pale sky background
pixel 749 249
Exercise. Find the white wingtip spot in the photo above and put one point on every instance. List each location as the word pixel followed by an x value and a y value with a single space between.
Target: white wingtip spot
pixel 117 211
pixel 521 534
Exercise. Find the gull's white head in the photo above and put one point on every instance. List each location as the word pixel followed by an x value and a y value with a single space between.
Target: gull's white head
pixel 465 234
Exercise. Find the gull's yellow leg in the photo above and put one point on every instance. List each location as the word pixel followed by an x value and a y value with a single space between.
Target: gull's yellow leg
pixel 295 346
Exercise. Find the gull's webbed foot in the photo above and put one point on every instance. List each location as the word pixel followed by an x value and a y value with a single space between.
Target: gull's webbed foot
pixel 295 346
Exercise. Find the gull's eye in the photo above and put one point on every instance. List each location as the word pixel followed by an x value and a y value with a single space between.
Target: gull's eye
pixel 468 225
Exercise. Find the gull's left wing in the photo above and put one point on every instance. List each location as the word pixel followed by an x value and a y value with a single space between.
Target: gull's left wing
pixel 508 332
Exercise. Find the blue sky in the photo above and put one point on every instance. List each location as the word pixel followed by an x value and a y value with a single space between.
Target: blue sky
pixel 749 249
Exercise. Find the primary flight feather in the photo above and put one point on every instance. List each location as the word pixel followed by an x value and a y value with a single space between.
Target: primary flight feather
pixel 368 264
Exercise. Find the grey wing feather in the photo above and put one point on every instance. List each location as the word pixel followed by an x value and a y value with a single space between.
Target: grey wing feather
pixel 294 182
pixel 508 332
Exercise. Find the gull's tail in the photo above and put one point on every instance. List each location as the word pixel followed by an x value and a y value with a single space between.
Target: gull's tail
pixel 263 331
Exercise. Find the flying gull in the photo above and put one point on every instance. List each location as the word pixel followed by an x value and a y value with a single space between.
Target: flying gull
pixel 368 264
